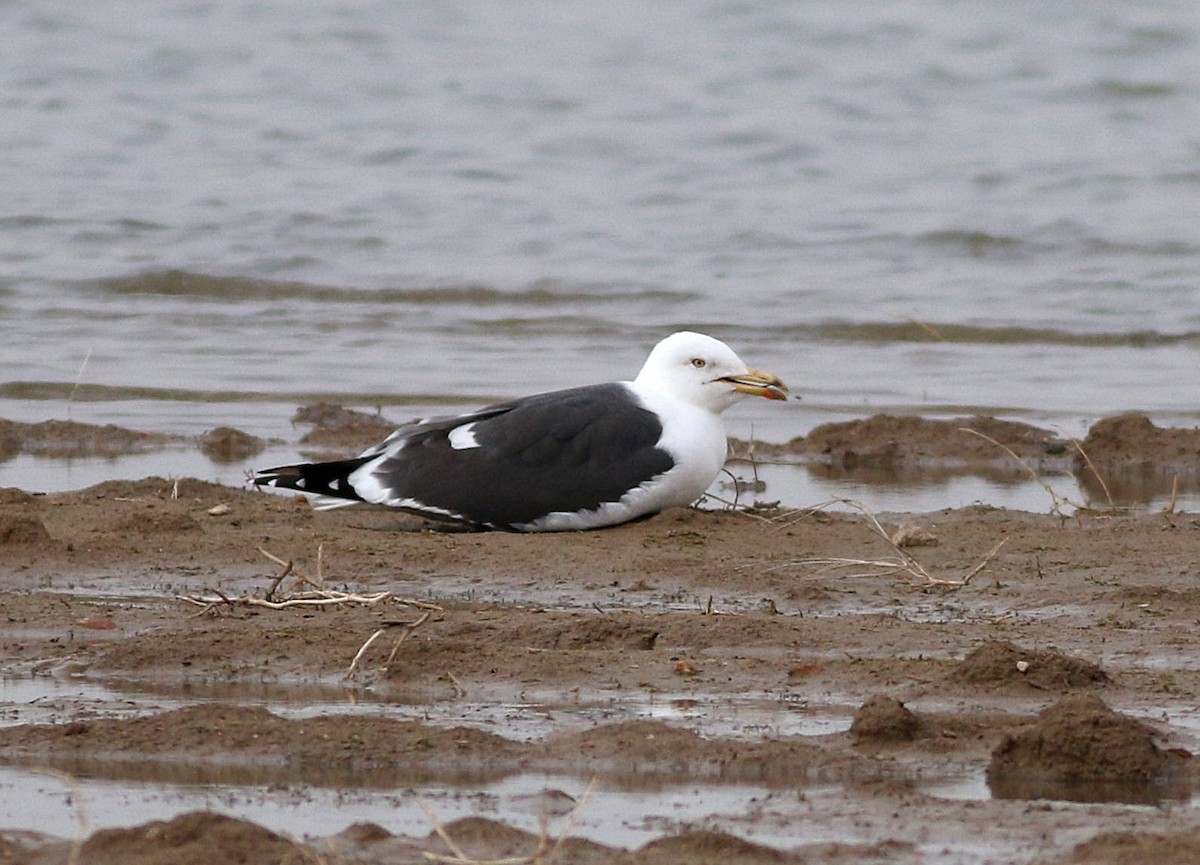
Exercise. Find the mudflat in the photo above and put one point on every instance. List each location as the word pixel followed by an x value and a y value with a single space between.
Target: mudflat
pixel 972 685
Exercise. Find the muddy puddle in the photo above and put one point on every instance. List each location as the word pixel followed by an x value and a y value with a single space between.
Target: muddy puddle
pixel 53 700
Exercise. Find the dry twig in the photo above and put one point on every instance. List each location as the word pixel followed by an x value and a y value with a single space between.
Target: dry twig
pixel 303 599
pixel 317 596
pixel 362 651
pixel 289 568
pixel 404 635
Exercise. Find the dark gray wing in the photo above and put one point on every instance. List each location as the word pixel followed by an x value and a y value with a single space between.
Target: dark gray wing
pixel 569 450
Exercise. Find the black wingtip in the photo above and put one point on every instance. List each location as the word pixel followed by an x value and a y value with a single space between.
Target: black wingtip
pixel 285 477
pixel 324 479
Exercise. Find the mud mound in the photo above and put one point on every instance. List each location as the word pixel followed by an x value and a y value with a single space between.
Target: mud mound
pixel 201 838
pixel 323 750
pixel 1082 750
pixel 195 838
pixel 1133 441
pixel 230 743
pixel 21 847
pixel 1157 597
pixel 705 847
pixel 492 841
pixel 591 632
pixel 182 489
pixel 64 438
pixel 159 524
pixel 365 833
pixel 635 742
pixel 1129 848
pixel 22 531
pixel 892 441
pixel 884 720
pixel 654 747
pixel 342 428
pixel 1002 664
pixel 228 445
pixel 1132 461
pixel 14 496
pixel 479 836
pixel 10 440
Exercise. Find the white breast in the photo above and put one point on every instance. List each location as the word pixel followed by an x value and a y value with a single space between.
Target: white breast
pixel 695 439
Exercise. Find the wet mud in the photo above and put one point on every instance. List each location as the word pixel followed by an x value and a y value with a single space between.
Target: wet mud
pixel 68 439
pixel 703 686
pixel 1122 461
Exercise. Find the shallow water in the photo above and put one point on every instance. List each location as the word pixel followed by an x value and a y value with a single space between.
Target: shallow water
pixel 625 810
pixel 792 486
pixel 51 700
pixel 52 804
pixel 622 811
pixel 628 815
pixel 213 214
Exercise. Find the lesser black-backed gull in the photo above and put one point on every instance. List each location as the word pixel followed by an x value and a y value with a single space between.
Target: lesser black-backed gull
pixel 570 459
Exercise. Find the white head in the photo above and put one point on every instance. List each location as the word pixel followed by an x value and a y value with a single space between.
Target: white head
pixel 705 372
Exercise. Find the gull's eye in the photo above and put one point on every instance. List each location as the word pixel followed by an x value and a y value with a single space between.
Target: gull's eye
pixel 699 362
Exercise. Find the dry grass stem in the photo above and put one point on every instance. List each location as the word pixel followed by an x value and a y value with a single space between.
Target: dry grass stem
pixel 441 833
pixel 534 859
pixel 1095 473
pixel 905 561
pixel 877 567
pixel 81 818
pixel 462 858
pixel 78 382
pixel 572 818
pixel 735 506
pixel 710 609
pixel 543 854
pixel 790 518
pixel 925 326
pixel 743 510
pixel 1058 500
pixel 1170 508
pixel 307 599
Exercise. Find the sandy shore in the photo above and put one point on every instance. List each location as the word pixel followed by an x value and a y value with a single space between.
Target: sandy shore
pixel 880 708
